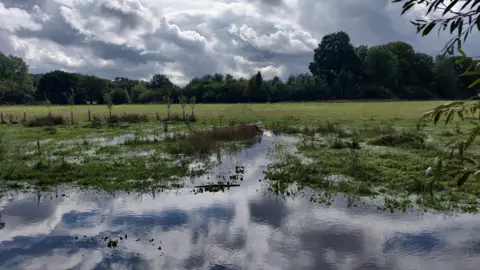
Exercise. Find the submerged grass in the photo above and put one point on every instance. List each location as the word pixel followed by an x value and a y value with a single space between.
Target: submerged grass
pixel 348 149
pixel 395 172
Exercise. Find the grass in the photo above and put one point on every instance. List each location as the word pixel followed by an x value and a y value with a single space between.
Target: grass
pixel 391 165
pixel 308 112
pixel 375 149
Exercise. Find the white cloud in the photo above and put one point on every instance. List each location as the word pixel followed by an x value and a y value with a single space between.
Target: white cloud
pixel 138 38
pixel 15 18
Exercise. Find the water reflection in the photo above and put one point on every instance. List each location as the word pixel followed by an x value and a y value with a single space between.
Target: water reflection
pixel 242 228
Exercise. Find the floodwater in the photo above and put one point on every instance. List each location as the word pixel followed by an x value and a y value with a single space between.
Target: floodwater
pixel 242 228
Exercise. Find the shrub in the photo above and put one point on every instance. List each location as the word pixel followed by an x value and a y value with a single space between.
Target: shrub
pixel 338 144
pixel 406 139
pixel 43 121
pixel 120 96
pixel 133 118
pixel 97 122
pixel 179 118
pixel 203 142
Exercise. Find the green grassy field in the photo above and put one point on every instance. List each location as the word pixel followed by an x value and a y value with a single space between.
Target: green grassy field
pixel 379 149
pixel 305 112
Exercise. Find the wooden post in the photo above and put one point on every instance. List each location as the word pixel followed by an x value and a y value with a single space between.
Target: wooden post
pixel 1 118
pixel 71 113
pixel 24 116
pixel 89 116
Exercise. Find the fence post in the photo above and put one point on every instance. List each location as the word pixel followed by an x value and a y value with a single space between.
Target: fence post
pixel 89 116
pixel 1 118
pixel 71 113
pixel 24 116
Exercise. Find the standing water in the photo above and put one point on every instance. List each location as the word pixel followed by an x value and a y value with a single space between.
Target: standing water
pixel 244 227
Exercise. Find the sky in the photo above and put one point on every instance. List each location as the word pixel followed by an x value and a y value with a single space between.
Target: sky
pixel 188 38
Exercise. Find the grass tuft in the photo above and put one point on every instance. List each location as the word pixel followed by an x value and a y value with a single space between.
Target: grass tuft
pixel 45 121
pixel 404 140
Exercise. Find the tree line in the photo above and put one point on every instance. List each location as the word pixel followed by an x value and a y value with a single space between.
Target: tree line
pixel 338 71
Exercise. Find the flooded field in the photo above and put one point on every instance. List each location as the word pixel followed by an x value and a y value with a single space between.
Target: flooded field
pixel 239 196
pixel 242 227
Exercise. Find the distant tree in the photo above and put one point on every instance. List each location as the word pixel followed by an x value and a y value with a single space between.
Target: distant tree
pixel 444 74
pixel 183 100
pixel 94 88
pixel 334 54
pixel 120 96
pixel 381 66
pixel 108 98
pixel 168 101
pixel 53 84
pixel 160 81
pixel 249 89
pixel 404 53
pixel 14 77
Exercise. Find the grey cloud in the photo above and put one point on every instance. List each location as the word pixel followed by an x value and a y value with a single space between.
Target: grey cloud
pixel 24 4
pixel 127 20
pixel 196 42
pixel 57 30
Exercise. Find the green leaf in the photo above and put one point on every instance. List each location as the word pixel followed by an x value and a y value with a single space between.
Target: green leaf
pixel 453 26
pixel 449 7
pixel 460 149
pixel 428 28
pixel 470 161
pixel 477 175
pixel 449 116
pixel 469 73
pixel 407 7
pixel 438 164
pixel 461 60
pixel 463 178
pixel 464 5
pixel 474 83
pixel 437 117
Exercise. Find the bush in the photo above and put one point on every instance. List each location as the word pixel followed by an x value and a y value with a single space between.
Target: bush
pixel 120 96
pixel 179 118
pixel 408 139
pixel 43 121
pixel 133 118
pixel 205 141
pixel 97 122
pixel 338 144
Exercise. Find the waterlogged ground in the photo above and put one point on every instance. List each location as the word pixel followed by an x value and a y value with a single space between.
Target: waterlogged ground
pixel 287 197
pixel 243 227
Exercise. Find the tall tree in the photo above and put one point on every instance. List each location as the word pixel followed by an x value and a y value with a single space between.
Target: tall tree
pixel 53 84
pixel 160 81
pixel 446 81
pixel 13 75
pixel 382 66
pixel 334 53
